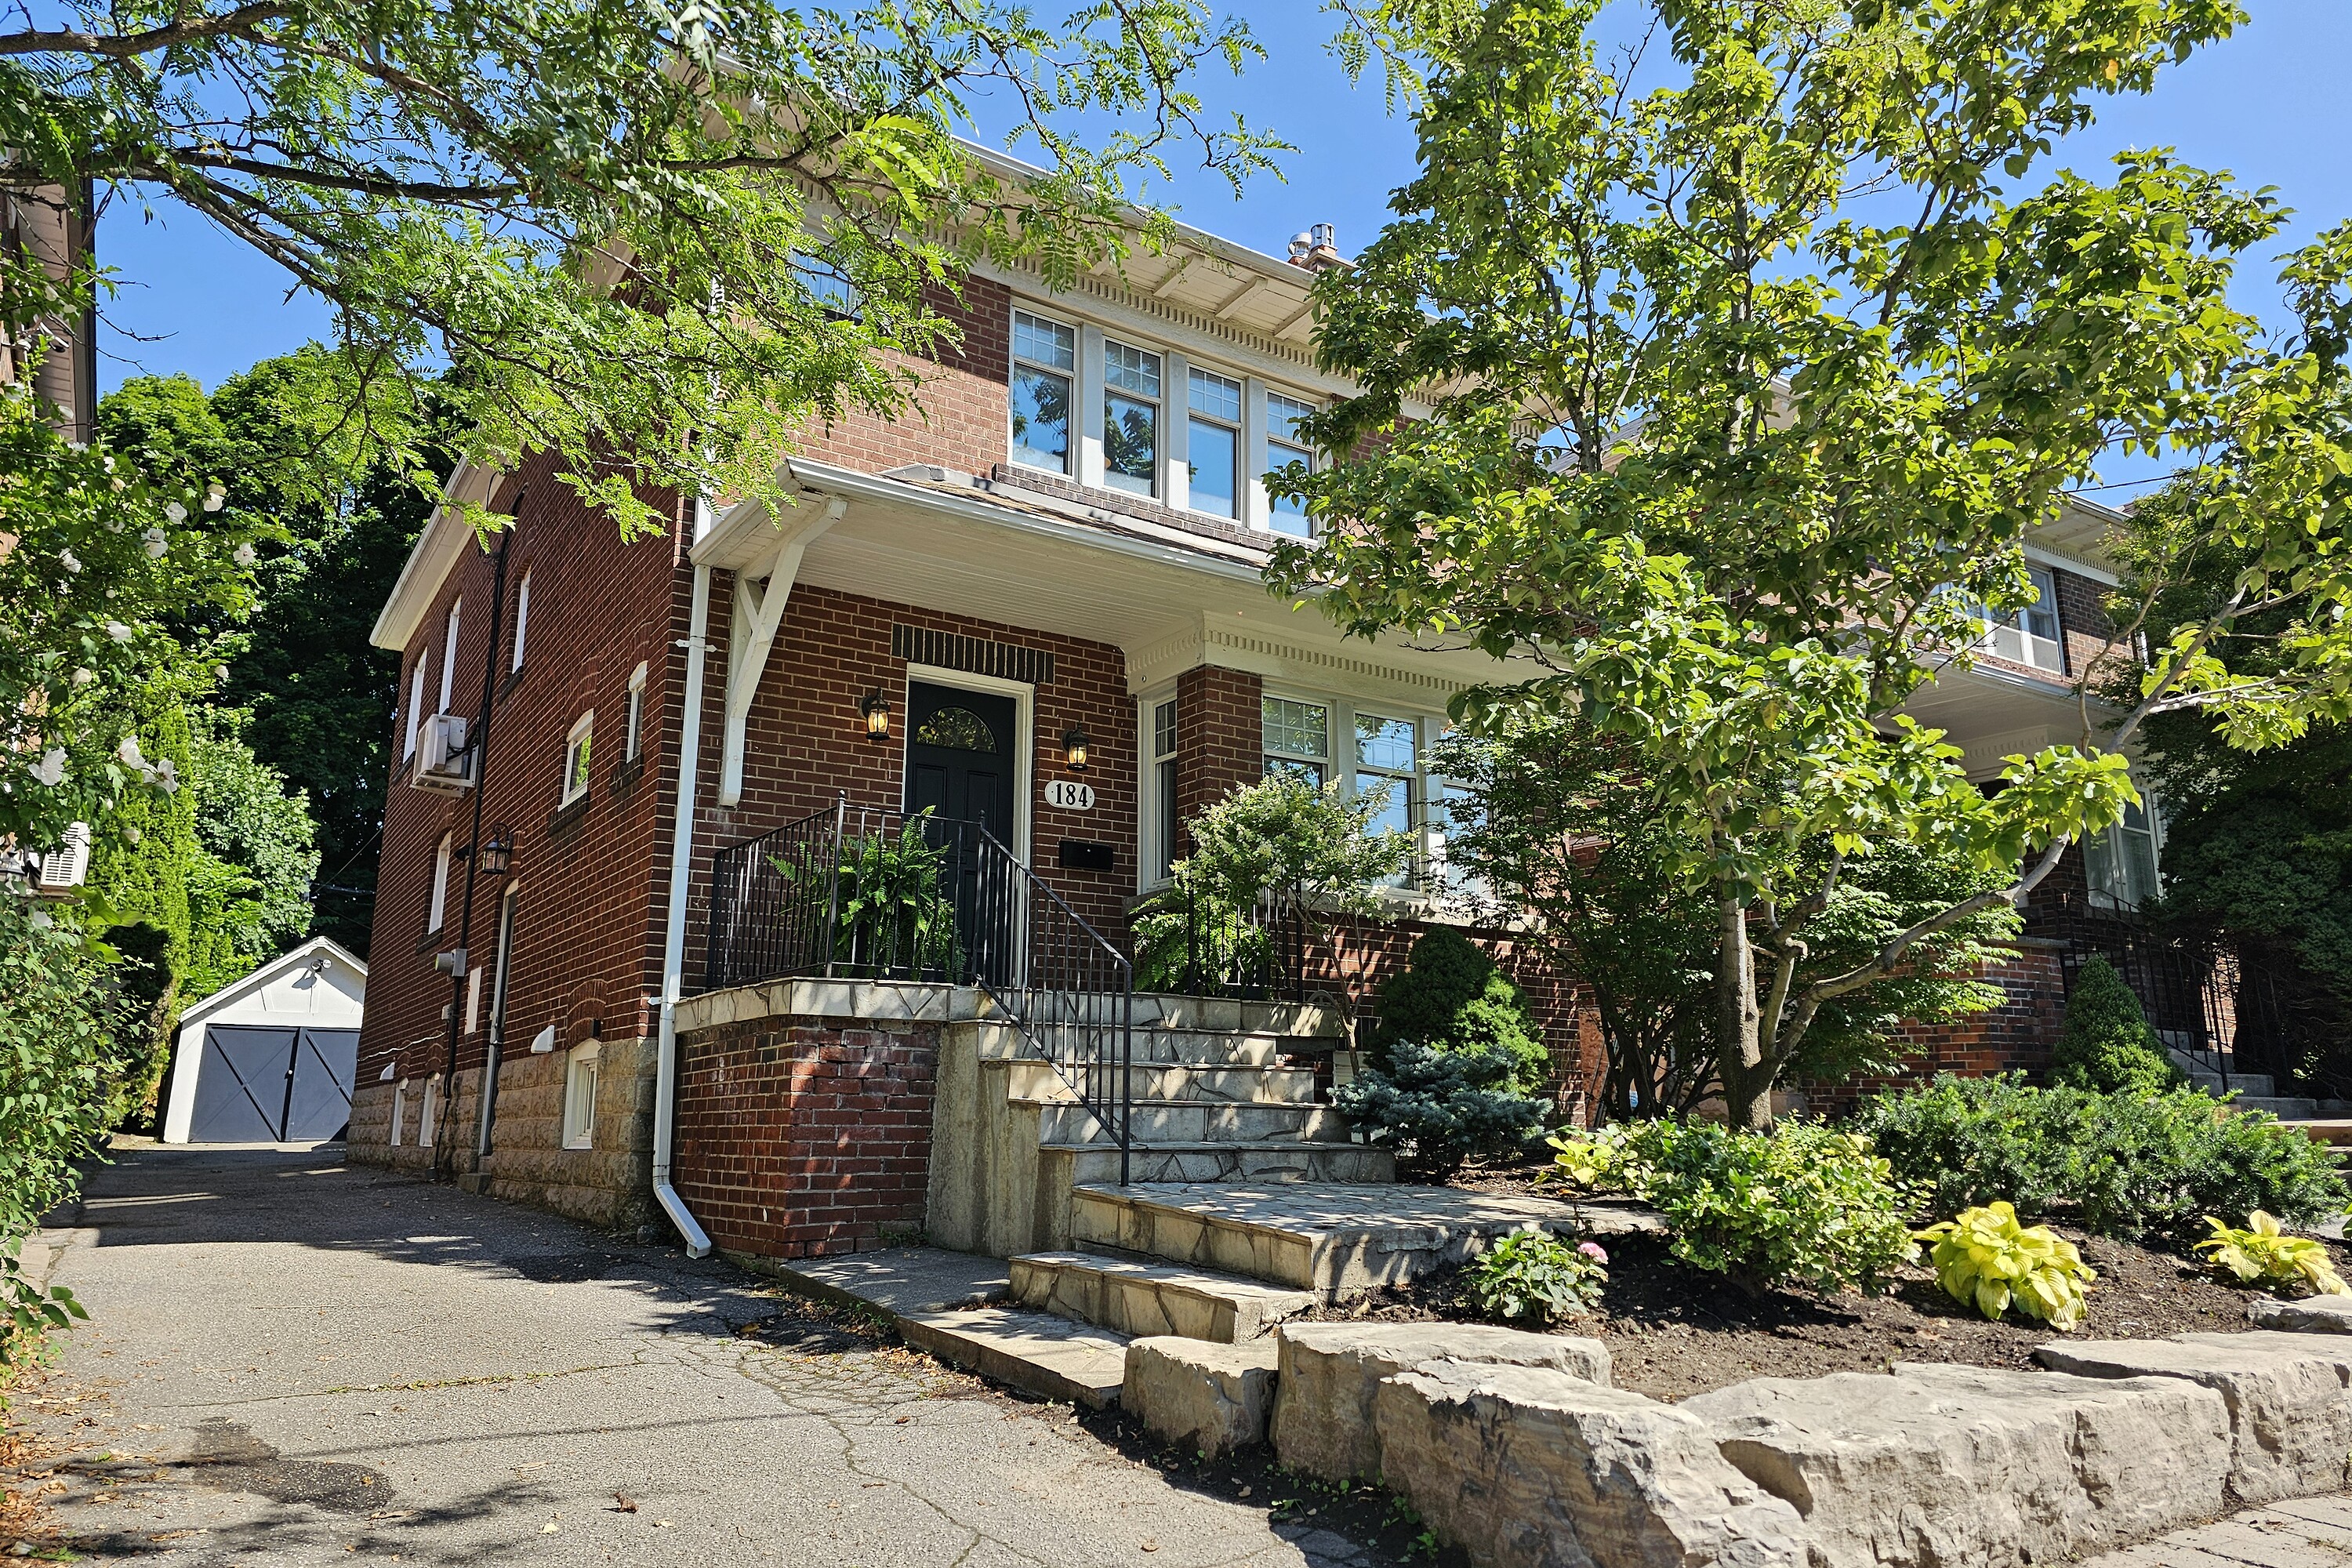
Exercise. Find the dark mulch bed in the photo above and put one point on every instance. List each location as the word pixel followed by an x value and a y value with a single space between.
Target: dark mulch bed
pixel 1674 1330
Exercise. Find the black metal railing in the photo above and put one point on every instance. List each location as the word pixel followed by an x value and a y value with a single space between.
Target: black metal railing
pixel 856 894
pixel 1256 954
pixel 2188 986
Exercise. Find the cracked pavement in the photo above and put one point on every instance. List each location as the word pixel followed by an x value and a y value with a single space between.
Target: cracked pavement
pixel 291 1361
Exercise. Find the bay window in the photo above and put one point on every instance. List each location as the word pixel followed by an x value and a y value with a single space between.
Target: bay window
pixel 1297 738
pixel 1283 447
pixel 1045 359
pixel 1130 418
pixel 1214 434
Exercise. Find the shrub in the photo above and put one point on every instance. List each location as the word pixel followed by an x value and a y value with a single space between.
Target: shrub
pixel 1439 1107
pixel 1984 1258
pixel 2261 1253
pixel 893 911
pixel 1803 1202
pixel 1450 994
pixel 2106 1044
pixel 1535 1276
pixel 2126 1165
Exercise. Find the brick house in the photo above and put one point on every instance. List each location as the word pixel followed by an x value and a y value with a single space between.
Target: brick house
pixel 1036 606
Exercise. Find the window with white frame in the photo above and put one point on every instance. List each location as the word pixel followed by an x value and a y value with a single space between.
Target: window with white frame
pixel 1387 760
pixel 2120 861
pixel 575 759
pixel 431 1114
pixel 522 622
pixel 1130 418
pixel 416 718
pixel 1214 443
pixel 449 657
pixel 580 1096
pixel 440 908
pixel 633 739
pixel 1297 738
pixel 830 289
pixel 1284 447
pixel 399 1110
pixel 2030 635
pixel 1162 858
pixel 1044 363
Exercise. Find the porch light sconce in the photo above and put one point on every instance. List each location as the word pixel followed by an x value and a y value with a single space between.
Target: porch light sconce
pixel 1074 747
pixel 875 710
pixel 498 851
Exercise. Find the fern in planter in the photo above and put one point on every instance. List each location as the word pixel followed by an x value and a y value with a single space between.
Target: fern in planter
pixel 893 911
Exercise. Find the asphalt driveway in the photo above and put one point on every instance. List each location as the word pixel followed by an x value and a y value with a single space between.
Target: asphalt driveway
pixel 292 1360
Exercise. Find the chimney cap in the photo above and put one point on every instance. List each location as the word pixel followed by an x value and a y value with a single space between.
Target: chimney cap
pixel 1300 243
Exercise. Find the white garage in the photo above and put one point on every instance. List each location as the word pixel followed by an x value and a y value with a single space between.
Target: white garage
pixel 270 1059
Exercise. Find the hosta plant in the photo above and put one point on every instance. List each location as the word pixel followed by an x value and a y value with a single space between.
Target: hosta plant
pixel 1532 1276
pixel 1985 1259
pixel 2261 1253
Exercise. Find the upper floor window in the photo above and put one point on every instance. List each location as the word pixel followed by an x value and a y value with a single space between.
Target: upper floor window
pixel 1214 443
pixel 439 910
pixel 415 716
pixel 1297 737
pixel 827 286
pixel 1130 418
pixel 2030 635
pixel 1284 447
pixel 575 759
pixel 522 622
pixel 1045 359
pixel 633 739
pixel 449 657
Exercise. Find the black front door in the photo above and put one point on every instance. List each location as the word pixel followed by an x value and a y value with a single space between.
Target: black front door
pixel 961 756
pixel 960 766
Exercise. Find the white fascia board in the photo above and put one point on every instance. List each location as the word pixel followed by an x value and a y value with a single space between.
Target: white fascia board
pixel 438 549
pixel 285 963
pixel 2073 564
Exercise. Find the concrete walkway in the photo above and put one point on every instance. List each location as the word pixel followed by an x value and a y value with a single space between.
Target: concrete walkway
pixel 294 1361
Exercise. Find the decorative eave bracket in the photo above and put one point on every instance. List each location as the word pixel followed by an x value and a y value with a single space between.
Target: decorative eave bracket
pixel 760 593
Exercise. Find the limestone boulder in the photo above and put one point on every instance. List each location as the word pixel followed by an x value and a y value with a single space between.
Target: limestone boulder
pixel 1329 1373
pixel 2285 1396
pixel 2311 1315
pixel 1934 1465
pixel 1213 1397
pixel 1530 1467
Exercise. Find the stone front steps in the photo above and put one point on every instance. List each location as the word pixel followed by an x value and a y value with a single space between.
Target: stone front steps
pixel 1076 1165
pixel 1334 1240
pixel 1139 1299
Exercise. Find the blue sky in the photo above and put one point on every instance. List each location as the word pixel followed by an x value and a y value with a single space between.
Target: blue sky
pixel 2269 105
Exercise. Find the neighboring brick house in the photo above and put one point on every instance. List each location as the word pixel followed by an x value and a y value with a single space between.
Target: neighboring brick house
pixel 1035 602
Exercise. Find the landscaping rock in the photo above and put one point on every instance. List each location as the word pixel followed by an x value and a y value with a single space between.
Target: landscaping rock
pixel 1529 1467
pixel 1939 1465
pixel 2289 1415
pixel 1323 1397
pixel 1214 1397
pixel 2312 1315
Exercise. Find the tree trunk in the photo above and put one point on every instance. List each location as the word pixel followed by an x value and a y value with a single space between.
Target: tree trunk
pixel 1747 1078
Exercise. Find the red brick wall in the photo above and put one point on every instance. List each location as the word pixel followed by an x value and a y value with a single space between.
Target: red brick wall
pixel 805 741
pixel 1220 737
pixel 799 1137
pixel 587 939
pixel 2015 1036
pixel 958 419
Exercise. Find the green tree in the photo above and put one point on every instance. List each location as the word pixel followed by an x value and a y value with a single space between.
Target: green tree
pixel 250 886
pixel 1744 391
pixel 1451 995
pixel 625 230
pixel 2106 1044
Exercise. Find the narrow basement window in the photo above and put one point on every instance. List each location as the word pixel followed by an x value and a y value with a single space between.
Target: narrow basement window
pixel 580 1096
pixel 431 1114
pixel 575 759
pixel 399 1110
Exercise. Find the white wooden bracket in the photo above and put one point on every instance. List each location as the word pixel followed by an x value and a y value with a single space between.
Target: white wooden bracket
pixel 760 593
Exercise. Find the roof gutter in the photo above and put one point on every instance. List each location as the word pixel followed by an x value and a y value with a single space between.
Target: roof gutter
pixel 681 863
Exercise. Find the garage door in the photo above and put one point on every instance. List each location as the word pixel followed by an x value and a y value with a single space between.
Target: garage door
pixel 273 1086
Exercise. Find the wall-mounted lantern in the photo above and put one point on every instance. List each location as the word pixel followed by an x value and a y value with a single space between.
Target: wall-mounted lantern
pixel 876 712
pixel 497 850
pixel 1074 747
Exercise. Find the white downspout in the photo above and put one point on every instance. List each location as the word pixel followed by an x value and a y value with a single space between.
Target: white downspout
pixel 681 860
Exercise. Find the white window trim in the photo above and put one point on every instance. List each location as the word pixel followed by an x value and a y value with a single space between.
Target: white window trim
pixel 1182 466
pixel 633 741
pixel 523 623
pixel 1164 445
pixel 438 913
pixel 1147 786
pixel 399 1110
pixel 449 656
pixel 428 1119
pixel 1073 460
pixel 1339 722
pixel 582 728
pixel 2102 844
pixel 473 998
pixel 588 1054
pixel 2033 651
pixel 416 715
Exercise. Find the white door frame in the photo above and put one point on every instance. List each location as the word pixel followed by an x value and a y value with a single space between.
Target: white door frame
pixel 1024 738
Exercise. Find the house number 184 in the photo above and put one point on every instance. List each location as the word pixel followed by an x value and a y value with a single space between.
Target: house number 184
pixel 1068 794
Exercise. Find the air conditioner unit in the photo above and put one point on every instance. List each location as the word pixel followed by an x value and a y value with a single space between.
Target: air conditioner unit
pixel 443 760
pixel 67 867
